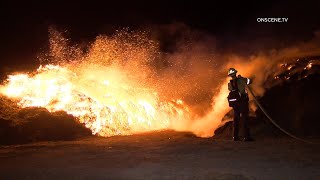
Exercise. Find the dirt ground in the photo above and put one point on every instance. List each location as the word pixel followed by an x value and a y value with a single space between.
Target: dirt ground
pixel 161 155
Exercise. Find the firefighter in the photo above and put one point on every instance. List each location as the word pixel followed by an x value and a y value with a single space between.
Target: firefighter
pixel 239 100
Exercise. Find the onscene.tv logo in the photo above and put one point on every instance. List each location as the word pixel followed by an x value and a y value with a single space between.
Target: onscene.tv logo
pixel 272 20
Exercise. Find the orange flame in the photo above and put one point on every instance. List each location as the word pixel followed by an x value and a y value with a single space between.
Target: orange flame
pixel 113 88
pixel 107 106
pixel 105 88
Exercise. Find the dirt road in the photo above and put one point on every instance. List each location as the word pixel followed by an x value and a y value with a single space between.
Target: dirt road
pixel 161 155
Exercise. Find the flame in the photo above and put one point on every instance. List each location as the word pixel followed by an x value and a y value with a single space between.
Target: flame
pixel 290 67
pixel 106 87
pixel 309 66
pixel 107 106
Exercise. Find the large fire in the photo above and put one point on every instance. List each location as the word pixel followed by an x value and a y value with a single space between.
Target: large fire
pixel 106 105
pixel 124 84
pixel 106 89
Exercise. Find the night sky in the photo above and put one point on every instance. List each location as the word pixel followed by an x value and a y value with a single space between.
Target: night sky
pixel 24 29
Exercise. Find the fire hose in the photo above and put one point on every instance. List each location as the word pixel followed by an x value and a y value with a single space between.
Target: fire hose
pixel 273 122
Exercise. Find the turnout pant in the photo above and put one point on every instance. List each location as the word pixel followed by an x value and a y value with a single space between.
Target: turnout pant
pixel 241 111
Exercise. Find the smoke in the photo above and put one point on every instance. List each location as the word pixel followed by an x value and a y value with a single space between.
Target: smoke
pixel 208 67
pixel 259 67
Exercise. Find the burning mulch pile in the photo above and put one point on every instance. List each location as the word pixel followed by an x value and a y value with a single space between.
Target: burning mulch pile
pixel 293 102
pixel 36 124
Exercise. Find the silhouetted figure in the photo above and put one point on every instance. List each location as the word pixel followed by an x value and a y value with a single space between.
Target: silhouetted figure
pixel 239 100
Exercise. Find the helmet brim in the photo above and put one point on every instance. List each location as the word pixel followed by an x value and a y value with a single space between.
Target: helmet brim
pixel 232 74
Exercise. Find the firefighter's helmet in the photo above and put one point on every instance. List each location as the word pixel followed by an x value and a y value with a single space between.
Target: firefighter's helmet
pixel 232 72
